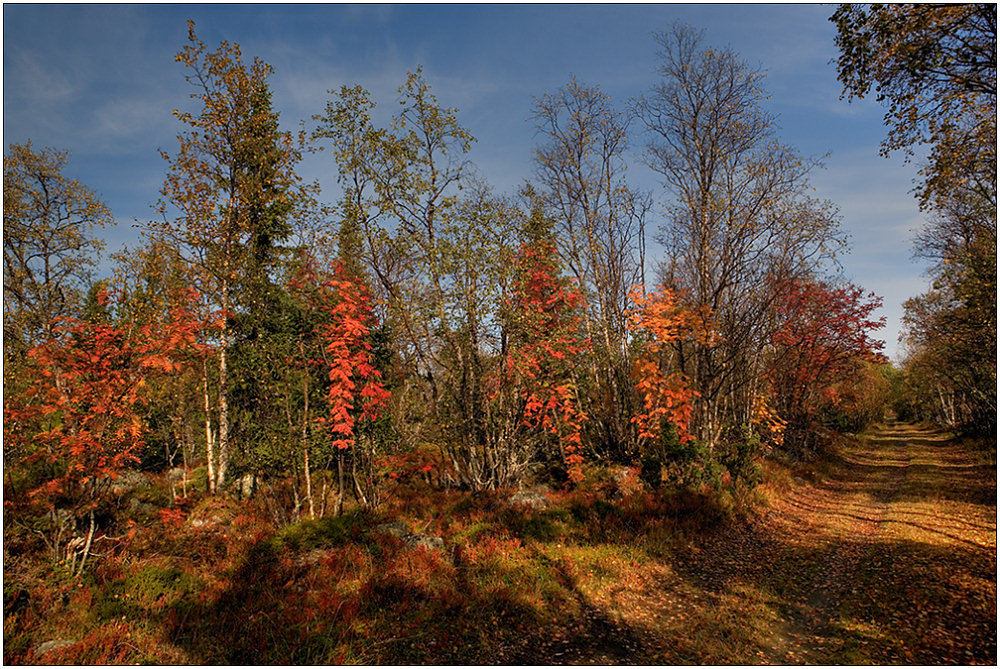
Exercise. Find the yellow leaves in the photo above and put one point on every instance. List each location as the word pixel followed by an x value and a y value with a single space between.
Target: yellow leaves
pixel 764 416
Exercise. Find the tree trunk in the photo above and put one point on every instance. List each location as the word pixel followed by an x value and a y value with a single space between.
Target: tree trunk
pixel 209 438
pixel 340 484
pixel 359 493
pixel 309 491
pixel 86 547
pixel 305 435
pixel 223 391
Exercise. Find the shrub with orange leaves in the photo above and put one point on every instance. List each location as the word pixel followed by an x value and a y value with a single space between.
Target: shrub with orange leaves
pixel 80 419
pixel 766 421
pixel 661 319
pixel 354 380
pixel 547 342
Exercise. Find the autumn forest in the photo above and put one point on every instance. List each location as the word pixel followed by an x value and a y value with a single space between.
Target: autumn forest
pixel 578 423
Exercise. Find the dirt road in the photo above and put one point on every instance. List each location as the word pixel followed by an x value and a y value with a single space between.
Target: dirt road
pixel 892 559
pixel 887 557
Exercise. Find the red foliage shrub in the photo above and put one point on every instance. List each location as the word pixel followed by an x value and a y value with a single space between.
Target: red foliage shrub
pixel 546 342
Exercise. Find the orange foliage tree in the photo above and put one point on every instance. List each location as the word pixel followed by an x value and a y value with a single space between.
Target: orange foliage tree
pixel 80 420
pixel 353 378
pixel 356 392
pixel 547 342
pixel 660 319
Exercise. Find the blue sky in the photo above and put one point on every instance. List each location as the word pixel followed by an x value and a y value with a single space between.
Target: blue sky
pixel 100 81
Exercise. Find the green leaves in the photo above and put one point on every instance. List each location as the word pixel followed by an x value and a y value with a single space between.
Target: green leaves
pixel 232 182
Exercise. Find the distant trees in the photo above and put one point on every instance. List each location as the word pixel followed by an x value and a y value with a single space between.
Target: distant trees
pixel 79 426
pixel 49 251
pixel 935 68
pixel 541 372
pixel 662 321
pixel 952 329
pixel 355 392
pixel 600 230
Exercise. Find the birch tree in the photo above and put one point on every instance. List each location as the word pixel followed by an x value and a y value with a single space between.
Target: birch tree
pixel 600 226
pixel 740 222
pixel 48 244
pixel 228 192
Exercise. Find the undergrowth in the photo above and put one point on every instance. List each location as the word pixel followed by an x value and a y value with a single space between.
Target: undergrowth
pixel 614 571
pixel 211 580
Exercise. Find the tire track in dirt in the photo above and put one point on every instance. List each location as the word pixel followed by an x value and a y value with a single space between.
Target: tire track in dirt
pixel 812 556
pixel 835 571
pixel 861 496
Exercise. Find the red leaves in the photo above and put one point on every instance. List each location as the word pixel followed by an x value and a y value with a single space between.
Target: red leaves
pixel 172 517
pixel 662 317
pixel 547 339
pixel 82 409
pixel 824 333
pixel 349 358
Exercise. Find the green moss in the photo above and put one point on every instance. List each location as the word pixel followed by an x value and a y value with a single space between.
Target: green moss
pixel 321 533
pixel 595 509
pixel 147 591
pixel 472 531
pixel 547 525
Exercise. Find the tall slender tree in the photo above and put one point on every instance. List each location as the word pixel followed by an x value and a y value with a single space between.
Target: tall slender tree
pixel 600 223
pixel 226 200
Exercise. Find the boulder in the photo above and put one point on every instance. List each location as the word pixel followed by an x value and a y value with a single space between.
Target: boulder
pixel 395 528
pixel 246 486
pixel 127 481
pixel 213 512
pixel 424 541
pixel 54 644
pixel 531 499
pixel 310 559
pixel 139 507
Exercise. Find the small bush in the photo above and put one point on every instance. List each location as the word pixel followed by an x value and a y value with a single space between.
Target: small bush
pixel 651 472
pixel 547 525
pixel 743 460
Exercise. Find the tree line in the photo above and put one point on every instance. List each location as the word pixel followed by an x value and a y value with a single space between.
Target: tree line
pixel 940 85
pixel 424 325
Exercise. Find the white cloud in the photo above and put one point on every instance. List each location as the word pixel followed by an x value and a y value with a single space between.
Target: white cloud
pixel 29 78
